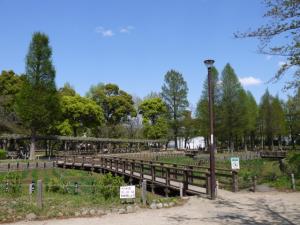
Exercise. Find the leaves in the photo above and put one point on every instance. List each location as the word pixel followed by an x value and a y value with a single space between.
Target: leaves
pixel 284 25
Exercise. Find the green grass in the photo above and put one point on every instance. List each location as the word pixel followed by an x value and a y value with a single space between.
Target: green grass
pixel 15 206
pixel 266 171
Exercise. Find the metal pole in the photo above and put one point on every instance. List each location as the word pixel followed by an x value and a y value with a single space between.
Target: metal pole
pixel 212 144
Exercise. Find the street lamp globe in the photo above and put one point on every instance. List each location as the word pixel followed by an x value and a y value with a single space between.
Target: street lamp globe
pixel 209 63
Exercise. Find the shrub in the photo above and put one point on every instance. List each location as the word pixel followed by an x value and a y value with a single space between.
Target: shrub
pixel 58 185
pixel 2 154
pixel 108 186
pixel 11 183
pixel 293 163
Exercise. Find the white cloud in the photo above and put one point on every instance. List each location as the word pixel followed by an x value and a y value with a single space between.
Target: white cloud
pixel 247 81
pixel 127 29
pixel 104 32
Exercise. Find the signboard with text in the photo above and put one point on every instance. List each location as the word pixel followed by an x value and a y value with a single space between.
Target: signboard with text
pixel 235 163
pixel 127 192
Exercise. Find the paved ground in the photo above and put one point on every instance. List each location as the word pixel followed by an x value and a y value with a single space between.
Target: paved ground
pixel 264 208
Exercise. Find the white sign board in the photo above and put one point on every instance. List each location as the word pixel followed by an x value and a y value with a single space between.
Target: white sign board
pixel 127 192
pixel 235 163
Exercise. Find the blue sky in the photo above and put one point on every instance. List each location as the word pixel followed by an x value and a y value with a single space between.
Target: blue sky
pixel 133 43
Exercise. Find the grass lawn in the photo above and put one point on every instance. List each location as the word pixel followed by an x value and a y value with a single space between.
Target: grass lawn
pixel 60 198
pixel 266 171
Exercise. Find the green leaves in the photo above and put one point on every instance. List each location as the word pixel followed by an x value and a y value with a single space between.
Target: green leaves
pixel 174 93
pixel 79 112
pixel 154 113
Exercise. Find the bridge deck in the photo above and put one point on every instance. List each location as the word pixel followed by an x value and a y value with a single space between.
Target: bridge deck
pixel 194 180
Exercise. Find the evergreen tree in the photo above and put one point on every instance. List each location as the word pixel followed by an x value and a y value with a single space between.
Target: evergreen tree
pixel 231 107
pixel 292 113
pixel 202 112
pixel 37 102
pixel 252 113
pixel 278 119
pixel 174 93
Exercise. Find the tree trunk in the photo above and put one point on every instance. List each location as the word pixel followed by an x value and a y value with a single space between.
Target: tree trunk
pixel 32 145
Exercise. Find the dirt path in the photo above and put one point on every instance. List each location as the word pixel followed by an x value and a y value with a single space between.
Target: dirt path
pixel 230 209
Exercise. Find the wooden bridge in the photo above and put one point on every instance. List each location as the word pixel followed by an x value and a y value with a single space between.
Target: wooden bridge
pixel 192 179
pixel 273 154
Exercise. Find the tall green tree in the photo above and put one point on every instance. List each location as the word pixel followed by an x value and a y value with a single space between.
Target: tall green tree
pixel 252 121
pixel 271 119
pixel 37 102
pixel 154 112
pixel 174 93
pixel 231 107
pixel 117 105
pixel 278 119
pixel 202 112
pixel 283 23
pixel 292 113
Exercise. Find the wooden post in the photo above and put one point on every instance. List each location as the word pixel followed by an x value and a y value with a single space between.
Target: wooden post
pixel 40 194
pixel 144 192
pixel 235 185
pixel 208 183
pixel 293 182
pixel 185 181
pixel 254 183
pixel 181 190
pixel 168 176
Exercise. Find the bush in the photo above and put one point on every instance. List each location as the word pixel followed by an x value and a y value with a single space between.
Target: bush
pixel 58 185
pixel 2 154
pixel 293 163
pixel 108 186
pixel 11 183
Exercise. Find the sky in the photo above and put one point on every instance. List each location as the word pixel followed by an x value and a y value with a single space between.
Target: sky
pixel 133 43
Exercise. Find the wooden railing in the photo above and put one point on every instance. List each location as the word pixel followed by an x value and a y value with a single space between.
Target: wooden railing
pixel 273 154
pixel 21 166
pixel 193 179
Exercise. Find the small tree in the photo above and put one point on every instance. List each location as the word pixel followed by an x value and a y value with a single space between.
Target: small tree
pixel 37 102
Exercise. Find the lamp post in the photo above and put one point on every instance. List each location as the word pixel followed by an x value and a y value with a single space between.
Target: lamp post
pixel 209 64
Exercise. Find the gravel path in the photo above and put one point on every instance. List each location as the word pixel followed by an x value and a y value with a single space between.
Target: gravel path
pixel 229 209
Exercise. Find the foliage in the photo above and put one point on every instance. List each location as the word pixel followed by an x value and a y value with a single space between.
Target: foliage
pixel 117 105
pixel 202 113
pixel 292 115
pixel 271 117
pixel 37 102
pixel 11 183
pixel 284 24
pixel 174 93
pixel 293 163
pixel 154 115
pixel 2 154
pixel 67 90
pixel 10 85
pixel 78 112
pixel 232 107
pixel 108 186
